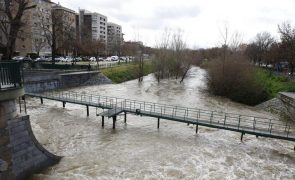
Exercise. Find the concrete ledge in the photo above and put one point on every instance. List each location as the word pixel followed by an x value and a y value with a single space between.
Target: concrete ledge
pixel 11 94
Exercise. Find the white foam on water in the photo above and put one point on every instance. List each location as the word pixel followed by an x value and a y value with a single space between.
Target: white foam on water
pixel 139 150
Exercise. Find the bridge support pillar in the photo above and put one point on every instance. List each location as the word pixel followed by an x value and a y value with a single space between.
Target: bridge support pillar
pixel 158 123
pixel 20 104
pixel 242 136
pixel 197 128
pixel 25 104
pixel 63 104
pixel 87 108
pixel 188 124
pixel 125 117
pixel 257 136
pixel 102 121
pixel 114 122
pixel 41 99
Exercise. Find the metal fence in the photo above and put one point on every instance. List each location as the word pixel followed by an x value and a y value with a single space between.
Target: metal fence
pixel 10 75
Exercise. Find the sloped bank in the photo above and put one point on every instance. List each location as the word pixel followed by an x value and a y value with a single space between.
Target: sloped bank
pixel 283 105
pixel 126 72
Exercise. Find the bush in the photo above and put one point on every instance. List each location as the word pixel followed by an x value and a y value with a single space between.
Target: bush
pixel 234 78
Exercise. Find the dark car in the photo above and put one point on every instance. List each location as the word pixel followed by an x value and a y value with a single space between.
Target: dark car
pixel 27 59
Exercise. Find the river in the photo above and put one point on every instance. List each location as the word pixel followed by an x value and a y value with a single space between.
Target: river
pixel 138 150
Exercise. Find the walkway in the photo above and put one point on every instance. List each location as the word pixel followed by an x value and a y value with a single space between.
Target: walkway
pixel 244 124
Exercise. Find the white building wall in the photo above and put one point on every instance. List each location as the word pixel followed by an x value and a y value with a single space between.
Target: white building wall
pixel 99 27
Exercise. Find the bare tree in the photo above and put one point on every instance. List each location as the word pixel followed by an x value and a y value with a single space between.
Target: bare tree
pixel 59 32
pixel 39 44
pixel 162 55
pixel 288 43
pixel 263 42
pixel 11 21
pixel 224 45
pixel 173 58
pixel 236 41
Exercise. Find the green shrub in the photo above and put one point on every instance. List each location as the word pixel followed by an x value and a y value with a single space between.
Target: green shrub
pixel 235 78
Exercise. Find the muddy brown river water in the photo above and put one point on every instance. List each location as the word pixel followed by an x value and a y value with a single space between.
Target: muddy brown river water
pixel 138 150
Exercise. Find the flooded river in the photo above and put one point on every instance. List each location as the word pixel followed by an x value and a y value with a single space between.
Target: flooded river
pixel 138 150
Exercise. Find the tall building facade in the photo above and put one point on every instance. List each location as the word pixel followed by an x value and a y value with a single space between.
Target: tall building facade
pixel 115 38
pixel 92 26
pixel 3 39
pixel 64 21
pixel 32 38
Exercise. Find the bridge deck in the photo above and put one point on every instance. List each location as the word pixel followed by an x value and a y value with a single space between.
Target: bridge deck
pixel 259 126
pixel 111 112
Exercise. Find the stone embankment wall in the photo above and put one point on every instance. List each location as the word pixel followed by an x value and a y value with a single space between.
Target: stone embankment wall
pixel 50 80
pixel 283 105
pixel 288 99
pixel 20 152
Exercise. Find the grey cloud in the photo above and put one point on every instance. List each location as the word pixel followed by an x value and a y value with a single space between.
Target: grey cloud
pixel 177 12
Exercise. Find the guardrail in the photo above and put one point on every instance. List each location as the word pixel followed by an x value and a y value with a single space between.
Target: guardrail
pixel 11 75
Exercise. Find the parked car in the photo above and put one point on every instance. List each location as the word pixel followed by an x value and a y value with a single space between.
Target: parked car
pixel 59 58
pixel 92 59
pixel 108 59
pixel 68 59
pixel 18 58
pixel 100 59
pixel 78 59
pixel 22 59
pixel 40 59
pixel 123 58
pixel 28 59
pixel 115 58
pixel 49 59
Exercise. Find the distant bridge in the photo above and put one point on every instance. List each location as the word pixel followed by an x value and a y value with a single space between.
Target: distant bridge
pixel 243 124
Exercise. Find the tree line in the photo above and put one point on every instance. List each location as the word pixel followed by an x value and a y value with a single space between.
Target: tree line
pixel 232 68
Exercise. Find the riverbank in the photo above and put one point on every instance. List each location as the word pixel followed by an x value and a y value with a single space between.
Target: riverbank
pixel 274 84
pixel 126 72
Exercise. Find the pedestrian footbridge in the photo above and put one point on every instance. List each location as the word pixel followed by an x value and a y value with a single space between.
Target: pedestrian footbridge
pixel 113 106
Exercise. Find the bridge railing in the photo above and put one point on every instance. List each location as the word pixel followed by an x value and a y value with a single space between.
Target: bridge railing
pixel 220 119
pixel 243 122
pixel 10 75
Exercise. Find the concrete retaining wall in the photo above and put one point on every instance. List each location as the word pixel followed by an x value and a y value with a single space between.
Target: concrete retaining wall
pixel 20 153
pixel 55 80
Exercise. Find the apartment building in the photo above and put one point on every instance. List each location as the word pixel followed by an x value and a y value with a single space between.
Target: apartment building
pixel 92 26
pixel 32 38
pixel 115 38
pixel 64 21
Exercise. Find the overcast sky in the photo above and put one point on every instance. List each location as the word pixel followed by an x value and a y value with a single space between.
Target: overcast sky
pixel 201 21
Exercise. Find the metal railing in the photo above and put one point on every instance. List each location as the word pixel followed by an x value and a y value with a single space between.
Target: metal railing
pixel 210 118
pixel 11 75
